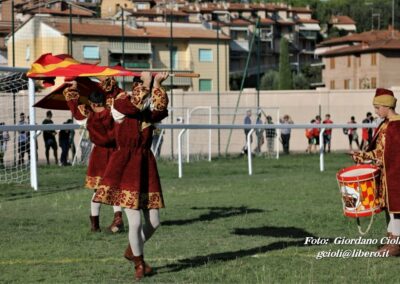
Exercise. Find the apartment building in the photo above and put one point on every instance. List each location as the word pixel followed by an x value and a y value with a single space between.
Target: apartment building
pixel 194 48
pixel 238 21
pixel 361 61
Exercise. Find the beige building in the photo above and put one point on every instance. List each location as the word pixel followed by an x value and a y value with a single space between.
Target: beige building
pixel 145 47
pixel 361 61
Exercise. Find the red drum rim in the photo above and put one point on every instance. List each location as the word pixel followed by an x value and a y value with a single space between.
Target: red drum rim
pixel 362 213
pixel 357 178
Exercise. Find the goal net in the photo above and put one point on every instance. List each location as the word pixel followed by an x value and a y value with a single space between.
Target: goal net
pixel 14 145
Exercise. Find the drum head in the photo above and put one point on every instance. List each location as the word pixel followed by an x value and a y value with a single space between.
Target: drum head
pixel 357 173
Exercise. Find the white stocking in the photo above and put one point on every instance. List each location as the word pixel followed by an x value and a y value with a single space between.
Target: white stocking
pixel 94 207
pixel 135 228
pixel 151 223
pixel 117 209
pixel 394 224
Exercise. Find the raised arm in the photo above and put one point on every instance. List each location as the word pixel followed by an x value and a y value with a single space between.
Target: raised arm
pixel 71 94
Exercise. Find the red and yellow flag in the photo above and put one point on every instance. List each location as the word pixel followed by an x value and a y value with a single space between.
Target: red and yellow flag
pixel 63 65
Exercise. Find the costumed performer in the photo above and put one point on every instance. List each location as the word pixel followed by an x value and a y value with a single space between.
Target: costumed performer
pixel 384 152
pixel 99 122
pixel 131 179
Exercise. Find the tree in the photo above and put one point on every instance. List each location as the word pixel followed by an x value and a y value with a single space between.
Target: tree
pixel 285 74
pixel 270 81
pixel 300 82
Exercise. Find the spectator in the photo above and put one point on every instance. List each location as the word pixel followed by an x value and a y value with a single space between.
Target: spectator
pixel 352 133
pixel 49 138
pixel 259 133
pixel 327 133
pixel 270 135
pixel 366 135
pixel 285 133
pixel 72 142
pixel 316 131
pixel 63 141
pixel 310 138
pixel 247 120
pixel 4 138
pixel 22 140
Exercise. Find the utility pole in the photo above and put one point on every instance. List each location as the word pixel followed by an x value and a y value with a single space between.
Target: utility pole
pixel 171 66
pixel 392 18
pixel 70 31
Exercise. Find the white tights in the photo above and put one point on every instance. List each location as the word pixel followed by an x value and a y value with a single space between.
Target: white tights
pixel 139 234
pixel 394 224
pixel 95 207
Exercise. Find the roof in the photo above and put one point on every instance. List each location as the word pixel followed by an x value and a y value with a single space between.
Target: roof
pixel 239 7
pixel 302 10
pixel 240 22
pixel 263 6
pixel 266 21
pixel 110 30
pixel 369 36
pixel 307 21
pixel 56 7
pixel 156 12
pixel 285 23
pixel 341 20
pixel 74 12
pixel 379 45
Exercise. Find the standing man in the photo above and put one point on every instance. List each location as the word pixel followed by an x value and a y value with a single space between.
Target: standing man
pixel 247 120
pixel 270 135
pixel 22 140
pixel 49 137
pixel 285 133
pixel 64 142
pixel 327 133
pixel 259 133
pixel 366 135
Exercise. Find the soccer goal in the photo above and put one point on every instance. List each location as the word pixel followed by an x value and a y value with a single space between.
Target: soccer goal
pixel 16 146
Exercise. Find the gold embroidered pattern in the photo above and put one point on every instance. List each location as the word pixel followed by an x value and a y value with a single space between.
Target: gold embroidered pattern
pixel 128 199
pixel 70 93
pixel 121 96
pixel 108 84
pixel 139 94
pixel 109 102
pixel 92 182
pixel 377 156
pixel 159 99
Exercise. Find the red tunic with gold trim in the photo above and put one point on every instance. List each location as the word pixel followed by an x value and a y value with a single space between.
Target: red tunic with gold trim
pixel 131 179
pixel 100 126
pixel 385 152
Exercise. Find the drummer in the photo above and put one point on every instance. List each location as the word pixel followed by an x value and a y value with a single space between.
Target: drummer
pixel 384 152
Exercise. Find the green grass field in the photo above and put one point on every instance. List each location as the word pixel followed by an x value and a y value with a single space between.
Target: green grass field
pixel 220 226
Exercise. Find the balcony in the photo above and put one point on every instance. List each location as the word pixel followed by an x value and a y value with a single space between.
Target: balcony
pixel 132 64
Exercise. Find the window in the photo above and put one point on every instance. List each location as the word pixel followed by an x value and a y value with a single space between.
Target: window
pixel 205 85
pixel 332 84
pixel 175 58
pixel 347 84
pixel 205 55
pixel 349 61
pixel 373 59
pixel 91 52
pixel 373 82
pixel 332 63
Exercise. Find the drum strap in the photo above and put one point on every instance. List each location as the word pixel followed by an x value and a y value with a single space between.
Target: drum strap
pixel 369 225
